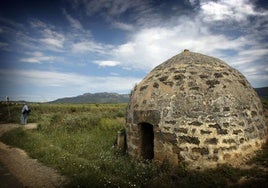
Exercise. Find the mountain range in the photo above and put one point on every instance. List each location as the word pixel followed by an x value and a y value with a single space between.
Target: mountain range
pixel 120 98
pixel 262 92
pixel 95 98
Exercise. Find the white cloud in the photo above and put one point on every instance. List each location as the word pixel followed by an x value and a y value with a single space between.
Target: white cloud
pixel 216 11
pixel 112 11
pixel 237 10
pixel 257 75
pixel 247 58
pixel 114 74
pixel 254 52
pixel 74 22
pixel 151 46
pixel 53 42
pixel 107 63
pixel 123 26
pixel 35 23
pixel 46 30
pixel 90 46
pixel 30 60
pixel 37 57
pixel 51 39
pixel 63 84
pixel 193 2
pixel 110 7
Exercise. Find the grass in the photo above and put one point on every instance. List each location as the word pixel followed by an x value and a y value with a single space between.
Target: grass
pixel 78 140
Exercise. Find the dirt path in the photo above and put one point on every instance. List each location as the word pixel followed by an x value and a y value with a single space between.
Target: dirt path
pixel 7 179
pixel 29 172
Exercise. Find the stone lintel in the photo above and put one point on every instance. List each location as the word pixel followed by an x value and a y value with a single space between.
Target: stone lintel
pixel 148 116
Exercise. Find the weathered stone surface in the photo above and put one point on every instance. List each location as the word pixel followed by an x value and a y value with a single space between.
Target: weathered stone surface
pixel 229 141
pixel 202 151
pixel 195 123
pixel 166 137
pixel 237 131
pixel 211 141
pixel 150 116
pixel 189 139
pixel 181 130
pixel 205 132
pixel 203 111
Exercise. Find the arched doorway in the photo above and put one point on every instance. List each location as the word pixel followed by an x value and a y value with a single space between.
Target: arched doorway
pixel 147 141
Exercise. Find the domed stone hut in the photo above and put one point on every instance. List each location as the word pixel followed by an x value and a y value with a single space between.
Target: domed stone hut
pixel 197 109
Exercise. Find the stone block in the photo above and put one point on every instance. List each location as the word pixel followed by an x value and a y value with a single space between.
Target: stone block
pixel 166 137
pixel 222 131
pixel 195 123
pixel 236 132
pixel 212 83
pixel 181 130
pixel 226 156
pixel 228 141
pixel 202 150
pixel 213 141
pixel 149 116
pixel 136 141
pixel 189 139
pixel 204 132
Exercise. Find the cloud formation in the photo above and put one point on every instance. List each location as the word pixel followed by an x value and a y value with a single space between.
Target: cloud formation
pixel 74 22
pixel 130 39
pixel 90 46
pixel 58 82
pixel 107 63
pixel 110 8
pixel 37 57
pixel 237 10
pixel 150 46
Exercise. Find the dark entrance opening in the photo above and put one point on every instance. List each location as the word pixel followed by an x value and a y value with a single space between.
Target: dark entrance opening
pixel 147 141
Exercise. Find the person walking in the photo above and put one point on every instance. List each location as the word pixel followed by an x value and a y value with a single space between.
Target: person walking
pixel 24 114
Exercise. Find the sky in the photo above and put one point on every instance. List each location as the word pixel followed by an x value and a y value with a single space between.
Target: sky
pixel 63 48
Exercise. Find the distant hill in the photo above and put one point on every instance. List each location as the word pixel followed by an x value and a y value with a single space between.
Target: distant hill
pixel 120 98
pixel 95 98
pixel 262 92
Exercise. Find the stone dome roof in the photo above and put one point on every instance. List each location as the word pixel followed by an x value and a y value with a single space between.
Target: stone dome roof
pixel 201 109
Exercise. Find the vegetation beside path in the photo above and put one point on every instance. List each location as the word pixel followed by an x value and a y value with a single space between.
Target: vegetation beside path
pixel 78 141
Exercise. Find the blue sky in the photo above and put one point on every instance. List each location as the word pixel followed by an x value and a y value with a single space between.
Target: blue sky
pixel 54 49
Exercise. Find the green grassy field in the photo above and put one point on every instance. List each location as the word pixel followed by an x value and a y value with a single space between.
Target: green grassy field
pixel 78 141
